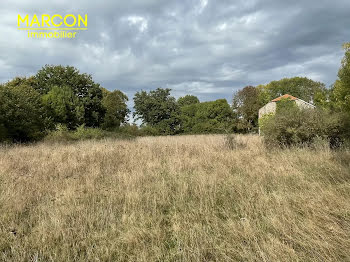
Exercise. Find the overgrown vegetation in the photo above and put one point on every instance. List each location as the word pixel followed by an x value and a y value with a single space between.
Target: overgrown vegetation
pixel 58 96
pixel 22 117
pixel 63 134
pixel 295 126
pixel 182 198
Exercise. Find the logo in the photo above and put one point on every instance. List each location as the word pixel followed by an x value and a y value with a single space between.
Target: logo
pixel 55 26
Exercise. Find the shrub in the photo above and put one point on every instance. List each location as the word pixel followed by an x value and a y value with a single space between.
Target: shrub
pixel 295 126
pixel 129 129
pixel 63 134
pixel 149 131
pixel 83 133
pixel 22 117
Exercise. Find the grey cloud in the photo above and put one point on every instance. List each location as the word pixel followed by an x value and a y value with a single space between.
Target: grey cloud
pixel 203 47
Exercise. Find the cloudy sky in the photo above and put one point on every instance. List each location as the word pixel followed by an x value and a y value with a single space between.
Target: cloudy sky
pixel 202 47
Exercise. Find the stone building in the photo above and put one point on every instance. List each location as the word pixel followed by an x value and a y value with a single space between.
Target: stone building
pixel 270 107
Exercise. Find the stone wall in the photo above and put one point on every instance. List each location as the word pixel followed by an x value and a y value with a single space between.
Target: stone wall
pixel 271 107
pixel 302 104
pixel 267 109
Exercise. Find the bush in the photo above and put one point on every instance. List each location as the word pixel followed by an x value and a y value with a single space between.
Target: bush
pixel 133 130
pixel 63 134
pixel 295 126
pixel 22 117
pixel 149 131
pixel 83 133
pixel 129 129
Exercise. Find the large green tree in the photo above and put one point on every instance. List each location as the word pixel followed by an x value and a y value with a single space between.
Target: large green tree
pixel 22 117
pixel 64 107
pixel 17 81
pixel 83 87
pixel 187 100
pixel 246 104
pixel 341 88
pixel 207 117
pixel 157 109
pixel 116 108
pixel 340 96
pixel 301 87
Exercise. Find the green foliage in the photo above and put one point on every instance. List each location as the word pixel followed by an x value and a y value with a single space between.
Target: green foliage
pixel 158 109
pixel 129 130
pixel 264 95
pixel 116 109
pixel 17 81
pixel 207 117
pixel 285 105
pixel 64 107
pixel 340 93
pixel 189 117
pixel 63 134
pixel 22 117
pixel 300 87
pixel 148 131
pixel 344 71
pixel 83 87
pixel 246 104
pixel 187 100
pixel 265 119
pixel 133 130
pixel 341 88
pixel 83 133
pixel 64 97
pixel 294 126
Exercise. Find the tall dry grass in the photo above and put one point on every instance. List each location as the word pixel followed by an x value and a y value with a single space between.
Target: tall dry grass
pixel 188 198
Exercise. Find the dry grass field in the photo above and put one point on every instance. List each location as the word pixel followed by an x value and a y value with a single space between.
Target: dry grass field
pixel 185 198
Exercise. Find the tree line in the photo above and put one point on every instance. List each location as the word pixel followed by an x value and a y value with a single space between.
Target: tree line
pixel 56 96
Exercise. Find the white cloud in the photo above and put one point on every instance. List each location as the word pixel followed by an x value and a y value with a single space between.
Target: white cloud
pixel 138 21
pixel 202 5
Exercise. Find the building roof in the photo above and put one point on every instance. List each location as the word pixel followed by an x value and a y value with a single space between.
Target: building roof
pixel 286 96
